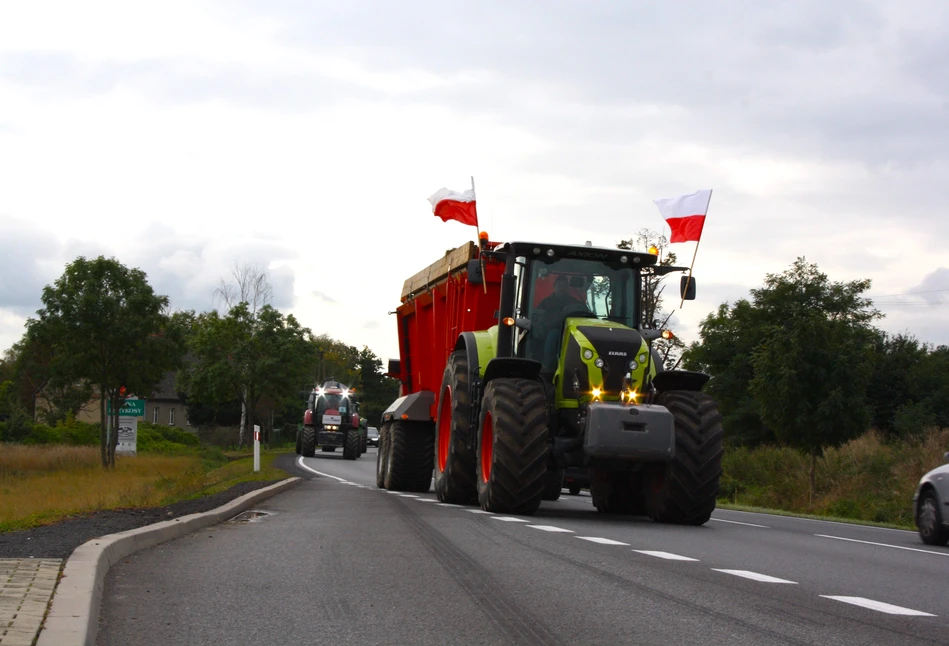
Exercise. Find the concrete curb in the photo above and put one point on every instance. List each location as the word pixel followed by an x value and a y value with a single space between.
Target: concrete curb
pixel 73 618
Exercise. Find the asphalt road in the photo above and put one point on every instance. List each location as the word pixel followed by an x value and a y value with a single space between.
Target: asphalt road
pixel 338 561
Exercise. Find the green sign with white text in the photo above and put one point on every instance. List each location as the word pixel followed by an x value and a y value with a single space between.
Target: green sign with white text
pixel 131 408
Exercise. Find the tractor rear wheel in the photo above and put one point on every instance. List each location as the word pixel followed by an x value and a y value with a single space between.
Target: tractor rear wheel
pixel 454 460
pixel 553 484
pixel 410 458
pixel 512 446
pixel 351 446
pixel 684 490
pixel 616 492
pixel 382 456
pixel 308 441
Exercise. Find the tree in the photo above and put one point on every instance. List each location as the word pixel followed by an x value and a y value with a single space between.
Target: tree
pixel 246 356
pixel 105 326
pixel 335 360
pixel 250 285
pixel 653 314
pixel 376 391
pixel 892 384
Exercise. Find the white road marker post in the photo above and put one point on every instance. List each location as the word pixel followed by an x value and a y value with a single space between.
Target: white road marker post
pixel 256 448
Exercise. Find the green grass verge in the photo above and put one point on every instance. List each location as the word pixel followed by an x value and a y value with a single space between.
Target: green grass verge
pixel 791 514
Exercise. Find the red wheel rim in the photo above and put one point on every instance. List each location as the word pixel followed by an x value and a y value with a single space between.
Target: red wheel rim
pixel 444 429
pixel 487 446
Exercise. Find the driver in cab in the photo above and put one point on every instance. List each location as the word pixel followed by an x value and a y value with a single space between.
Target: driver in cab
pixel 550 315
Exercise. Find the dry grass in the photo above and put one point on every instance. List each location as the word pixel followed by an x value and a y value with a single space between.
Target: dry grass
pixel 40 485
pixel 866 479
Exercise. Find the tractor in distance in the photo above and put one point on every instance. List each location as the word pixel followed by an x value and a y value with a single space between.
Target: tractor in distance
pixel 520 359
pixel 331 420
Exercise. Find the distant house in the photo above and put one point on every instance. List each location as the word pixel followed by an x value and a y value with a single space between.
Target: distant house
pixel 163 406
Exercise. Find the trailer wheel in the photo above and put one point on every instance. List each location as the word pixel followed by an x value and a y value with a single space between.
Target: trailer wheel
pixel 512 446
pixel 454 460
pixel 351 446
pixel 553 484
pixel 308 441
pixel 616 492
pixel 382 456
pixel 410 457
pixel 684 490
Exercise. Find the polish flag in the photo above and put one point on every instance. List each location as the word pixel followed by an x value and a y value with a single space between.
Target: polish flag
pixel 452 205
pixel 686 214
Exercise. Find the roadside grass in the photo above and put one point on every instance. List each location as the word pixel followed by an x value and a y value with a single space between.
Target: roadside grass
pixel 40 485
pixel 867 480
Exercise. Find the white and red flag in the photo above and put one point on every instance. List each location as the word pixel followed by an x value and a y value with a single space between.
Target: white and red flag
pixel 452 205
pixel 686 214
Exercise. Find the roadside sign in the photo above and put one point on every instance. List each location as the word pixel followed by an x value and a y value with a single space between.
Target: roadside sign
pixel 128 435
pixel 131 408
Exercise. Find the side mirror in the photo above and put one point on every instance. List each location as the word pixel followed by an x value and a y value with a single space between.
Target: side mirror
pixel 687 287
pixel 945 456
pixel 474 272
pixel 395 369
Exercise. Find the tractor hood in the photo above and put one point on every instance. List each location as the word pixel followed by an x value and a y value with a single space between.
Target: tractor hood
pixel 621 351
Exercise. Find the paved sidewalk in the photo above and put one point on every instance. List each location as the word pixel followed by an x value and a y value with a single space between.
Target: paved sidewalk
pixel 26 586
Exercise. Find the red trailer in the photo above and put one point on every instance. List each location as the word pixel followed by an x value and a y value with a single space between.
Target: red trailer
pixel 520 359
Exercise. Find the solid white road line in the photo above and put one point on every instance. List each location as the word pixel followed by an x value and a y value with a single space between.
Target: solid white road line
pixel 879 606
pixel 479 511
pixel 818 520
pixel 551 528
pixel 407 495
pixel 601 541
pixel 896 547
pixel 448 504
pixel 665 555
pixel 427 499
pixel 754 576
pixel 736 522
pixel 510 519
pixel 319 473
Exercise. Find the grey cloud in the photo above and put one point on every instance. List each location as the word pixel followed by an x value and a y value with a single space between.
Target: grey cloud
pixel 324 297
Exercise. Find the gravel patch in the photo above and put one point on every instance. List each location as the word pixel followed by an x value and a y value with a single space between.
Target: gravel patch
pixel 60 539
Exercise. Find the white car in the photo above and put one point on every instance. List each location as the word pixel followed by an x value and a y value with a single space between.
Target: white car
pixel 931 505
pixel 372 436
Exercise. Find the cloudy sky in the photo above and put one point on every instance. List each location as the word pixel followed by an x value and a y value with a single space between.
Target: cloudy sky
pixel 305 137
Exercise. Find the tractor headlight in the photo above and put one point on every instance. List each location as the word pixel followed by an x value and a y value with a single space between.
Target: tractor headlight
pixel 642 358
pixel 632 364
pixel 599 363
pixel 596 393
pixel 588 354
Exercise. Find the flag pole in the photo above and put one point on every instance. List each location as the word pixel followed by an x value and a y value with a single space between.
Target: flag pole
pixel 484 282
pixel 697 243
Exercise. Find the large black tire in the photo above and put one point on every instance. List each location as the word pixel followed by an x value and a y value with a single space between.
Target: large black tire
pixel 929 520
pixel 512 446
pixel 454 461
pixel 574 490
pixel 363 442
pixel 351 447
pixel 617 492
pixel 327 449
pixel 553 484
pixel 382 456
pixel 410 457
pixel 684 490
pixel 308 441
pixel 299 438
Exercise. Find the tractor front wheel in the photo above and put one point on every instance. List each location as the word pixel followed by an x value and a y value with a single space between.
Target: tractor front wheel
pixel 684 490
pixel 351 446
pixel 308 441
pixel 299 434
pixel 512 446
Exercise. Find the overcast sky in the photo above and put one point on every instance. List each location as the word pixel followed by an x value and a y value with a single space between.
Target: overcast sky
pixel 305 137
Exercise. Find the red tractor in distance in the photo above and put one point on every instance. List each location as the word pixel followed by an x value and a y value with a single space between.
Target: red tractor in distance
pixel 331 420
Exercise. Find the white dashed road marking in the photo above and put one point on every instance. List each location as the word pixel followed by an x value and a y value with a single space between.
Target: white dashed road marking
pixel 448 504
pixel 736 522
pixel 879 606
pixel 550 528
pixel 510 519
pixel 427 499
pixel 479 511
pixel 601 541
pixel 665 555
pixel 754 576
pixel 895 547
pixel 407 495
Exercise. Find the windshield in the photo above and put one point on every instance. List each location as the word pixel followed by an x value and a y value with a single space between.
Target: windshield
pixel 335 402
pixel 584 287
